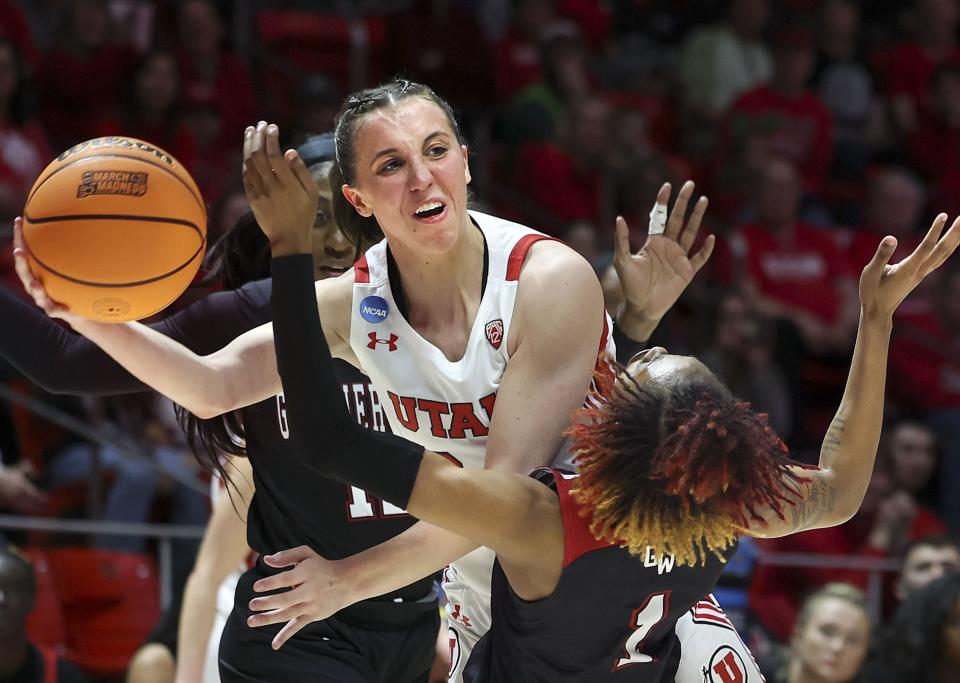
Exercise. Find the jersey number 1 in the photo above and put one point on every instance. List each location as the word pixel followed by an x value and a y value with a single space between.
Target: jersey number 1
pixel 644 618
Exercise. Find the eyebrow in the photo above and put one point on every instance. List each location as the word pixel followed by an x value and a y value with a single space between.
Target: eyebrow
pixel 393 150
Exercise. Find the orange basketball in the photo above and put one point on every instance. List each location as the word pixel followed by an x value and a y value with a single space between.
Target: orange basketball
pixel 115 228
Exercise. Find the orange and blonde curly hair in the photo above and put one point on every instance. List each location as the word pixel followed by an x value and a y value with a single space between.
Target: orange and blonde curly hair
pixel 679 468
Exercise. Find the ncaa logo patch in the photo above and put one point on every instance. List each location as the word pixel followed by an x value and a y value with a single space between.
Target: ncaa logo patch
pixel 374 309
pixel 494 330
pixel 726 666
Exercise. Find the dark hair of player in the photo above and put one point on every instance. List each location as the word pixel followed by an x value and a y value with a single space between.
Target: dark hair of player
pixel 680 468
pixel 242 255
pixel 358 229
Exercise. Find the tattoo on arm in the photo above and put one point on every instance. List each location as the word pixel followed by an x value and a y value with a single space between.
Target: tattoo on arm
pixel 831 442
pixel 819 501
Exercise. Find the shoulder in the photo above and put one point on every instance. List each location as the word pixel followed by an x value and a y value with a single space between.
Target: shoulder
pixel 549 263
pixel 335 301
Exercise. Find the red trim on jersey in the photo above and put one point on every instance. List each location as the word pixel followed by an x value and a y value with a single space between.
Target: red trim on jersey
pixel 605 334
pixel 361 273
pixel 519 252
pixel 577 537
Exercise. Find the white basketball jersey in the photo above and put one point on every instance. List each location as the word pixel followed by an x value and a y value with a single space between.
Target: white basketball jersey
pixel 444 405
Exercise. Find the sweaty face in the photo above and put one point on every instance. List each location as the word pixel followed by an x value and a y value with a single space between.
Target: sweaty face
pixel 832 644
pixel 924 565
pixel 412 175
pixel 657 366
pixel 332 251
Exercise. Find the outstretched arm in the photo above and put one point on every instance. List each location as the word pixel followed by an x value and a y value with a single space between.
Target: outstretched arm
pixel 834 491
pixel 242 373
pixel 61 362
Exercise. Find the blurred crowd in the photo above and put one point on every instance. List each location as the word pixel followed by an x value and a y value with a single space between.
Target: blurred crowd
pixel 815 127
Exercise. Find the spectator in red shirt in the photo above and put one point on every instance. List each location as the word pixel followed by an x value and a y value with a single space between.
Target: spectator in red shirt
pixel 80 77
pixel 784 117
pixel 795 271
pixel 882 529
pixel 912 63
pixel 563 178
pixel 209 72
pixel 536 111
pixel 24 150
pixel 518 54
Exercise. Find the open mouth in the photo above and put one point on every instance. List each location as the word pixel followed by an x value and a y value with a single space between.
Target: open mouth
pixel 429 209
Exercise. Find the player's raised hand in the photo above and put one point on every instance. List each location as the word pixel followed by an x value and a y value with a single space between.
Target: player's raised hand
pixel 316 590
pixel 883 286
pixel 32 284
pixel 280 189
pixel 655 277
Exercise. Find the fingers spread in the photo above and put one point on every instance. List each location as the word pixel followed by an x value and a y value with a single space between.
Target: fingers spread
pixel 699 259
pixel 882 256
pixel 621 242
pixel 287 579
pixel 276 616
pixel 287 632
pixel 679 211
pixel 275 601
pixel 689 234
pixel 944 249
pixel 285 558
pixel 300 171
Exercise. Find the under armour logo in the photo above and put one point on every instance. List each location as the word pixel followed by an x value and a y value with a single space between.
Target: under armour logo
pixel 391 342
pixel 457 615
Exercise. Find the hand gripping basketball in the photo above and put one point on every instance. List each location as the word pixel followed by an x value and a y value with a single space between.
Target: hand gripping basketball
pixel 32 285
pixel 281 191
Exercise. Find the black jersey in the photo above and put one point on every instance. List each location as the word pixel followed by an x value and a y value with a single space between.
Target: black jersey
pixel 293 505
pixel 611 617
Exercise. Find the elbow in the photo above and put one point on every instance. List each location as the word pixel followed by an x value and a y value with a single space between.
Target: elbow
pixel 207 411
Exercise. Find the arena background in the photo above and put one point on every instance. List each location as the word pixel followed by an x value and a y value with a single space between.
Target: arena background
pixel 815 128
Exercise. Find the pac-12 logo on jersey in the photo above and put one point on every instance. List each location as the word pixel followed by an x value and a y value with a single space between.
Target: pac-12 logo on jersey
pixel 391 341
pixel 374 309
pixel 494 330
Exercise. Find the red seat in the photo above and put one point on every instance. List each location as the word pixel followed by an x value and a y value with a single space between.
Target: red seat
pixel 45 626
pixel 110 604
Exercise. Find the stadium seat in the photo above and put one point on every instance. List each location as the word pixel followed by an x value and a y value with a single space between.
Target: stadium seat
pixel 110 604
pixel 45 626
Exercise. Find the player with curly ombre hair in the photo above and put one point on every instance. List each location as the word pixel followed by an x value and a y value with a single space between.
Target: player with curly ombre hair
pixel 684 469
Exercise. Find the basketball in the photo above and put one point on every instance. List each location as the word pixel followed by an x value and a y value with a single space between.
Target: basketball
pixel 115 228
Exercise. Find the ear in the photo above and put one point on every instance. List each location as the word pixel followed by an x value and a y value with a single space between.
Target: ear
pixel 356 200
pixel 466 164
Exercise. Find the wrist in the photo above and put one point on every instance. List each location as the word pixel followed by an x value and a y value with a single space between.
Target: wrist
pixel 635 323
pixel 290 245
